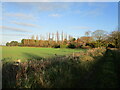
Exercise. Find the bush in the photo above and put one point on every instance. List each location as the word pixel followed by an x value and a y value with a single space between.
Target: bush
pixel 71 46
pixel 90 44
pixel 111 46
pixel 100 44
pixel 49 73
pixel 63 46
pixel 86 47
pixel 56 46
pixel 79 46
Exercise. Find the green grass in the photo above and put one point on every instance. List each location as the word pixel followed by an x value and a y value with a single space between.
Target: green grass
pixel 25 53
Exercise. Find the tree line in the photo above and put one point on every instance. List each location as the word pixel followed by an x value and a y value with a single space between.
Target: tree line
pixel 98 38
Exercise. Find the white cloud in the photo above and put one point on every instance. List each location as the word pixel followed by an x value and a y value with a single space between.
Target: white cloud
pixel 55 15
pixel 13 34
pixel 24 24
pixel 20 16
pixel 43 6
pixel 14 29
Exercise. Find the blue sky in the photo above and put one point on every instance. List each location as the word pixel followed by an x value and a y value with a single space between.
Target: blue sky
pixel 21 20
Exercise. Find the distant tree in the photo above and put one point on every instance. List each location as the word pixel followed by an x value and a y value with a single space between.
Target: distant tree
pixel 65 41
pixel 19 44
pixel 86 39
pixel 49 36
pixel 7 44
pixel 52 36
pixel 72 39
pixel 66 36
pixel 57 36
pixel 62 37
pixel 114 37
pixel 32 41
pixel 32 37
pixel 12 43
pixel 37 37
pixel 99 35
pixel 78 40
pixel 41 43
pixel 87 33
pixel 37 41
pixel 22 42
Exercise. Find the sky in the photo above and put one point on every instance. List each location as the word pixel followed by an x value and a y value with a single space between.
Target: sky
pixel 24 19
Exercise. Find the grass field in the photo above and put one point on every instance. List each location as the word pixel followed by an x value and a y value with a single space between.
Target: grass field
pixel 25 53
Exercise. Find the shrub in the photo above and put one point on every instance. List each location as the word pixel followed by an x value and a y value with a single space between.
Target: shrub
pixel 86 58
pixel 90 44
pixel 86 47
pixel 49 73
pixel 56 46
pixel 111 46
pixel 71 46
pixel 63 46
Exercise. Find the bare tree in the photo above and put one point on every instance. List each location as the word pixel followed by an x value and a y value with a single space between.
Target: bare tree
pixel 66 36
pixel 52 36
pixel 49 36
pixel 87 33
pixel 41 37
pixel 99 35
pixel 37 37
pixel 32 37
pixel 62 37
pixel 57 35
pixel 114 37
